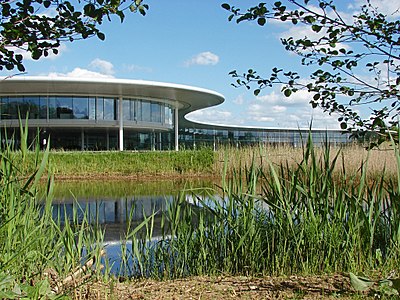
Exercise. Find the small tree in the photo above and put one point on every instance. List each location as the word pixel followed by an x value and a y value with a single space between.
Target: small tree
pixel 39 26
pixel 354 61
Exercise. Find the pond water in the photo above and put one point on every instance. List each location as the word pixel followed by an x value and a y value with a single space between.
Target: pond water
pixel 112 203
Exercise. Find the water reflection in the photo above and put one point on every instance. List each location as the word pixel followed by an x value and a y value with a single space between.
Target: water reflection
pixel 112 214
pixel 113 203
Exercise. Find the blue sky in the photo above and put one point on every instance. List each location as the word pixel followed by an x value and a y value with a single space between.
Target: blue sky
pixel 191 42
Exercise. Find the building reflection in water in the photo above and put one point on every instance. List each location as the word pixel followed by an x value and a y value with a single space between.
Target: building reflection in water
pixel 113 214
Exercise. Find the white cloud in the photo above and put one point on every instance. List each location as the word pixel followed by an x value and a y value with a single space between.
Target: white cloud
pixel 98 68
pixel 300 98
pixel 214 116
pixel 136 68
pixel 239 100
pixel 276 110
pixel 203 59
pixel 80 73
pixel 103 66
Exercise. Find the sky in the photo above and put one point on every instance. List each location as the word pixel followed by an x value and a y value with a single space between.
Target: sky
pixel 191 42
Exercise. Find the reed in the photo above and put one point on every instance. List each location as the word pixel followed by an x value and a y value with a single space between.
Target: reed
pixel 351 157
pixel 311 217
pixel 33 244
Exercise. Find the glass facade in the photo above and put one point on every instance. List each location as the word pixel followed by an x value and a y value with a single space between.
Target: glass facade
pixel 84 108
pixel 152 114
pixel 190 138
pixel 148 125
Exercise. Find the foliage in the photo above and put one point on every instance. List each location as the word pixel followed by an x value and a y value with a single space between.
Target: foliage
pixel 40 26
pixel 32 243
pixel 354 61
pixel 289 219
pixel 388 286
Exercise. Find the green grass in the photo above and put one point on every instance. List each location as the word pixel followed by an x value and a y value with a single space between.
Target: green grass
pixel 120 164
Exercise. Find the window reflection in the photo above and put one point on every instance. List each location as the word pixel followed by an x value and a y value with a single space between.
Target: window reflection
pixel 99 108
pixel 81 108
pixel 168 115
pixel 109 109
pixel 146 111
pixel 126 108
pixel 155 112
pixel 84 108
pixel 92 108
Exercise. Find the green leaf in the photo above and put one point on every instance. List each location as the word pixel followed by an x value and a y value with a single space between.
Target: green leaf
pixel 261 21
pixel 287 92
pixel 316 28
pixel 360 283
pixel 226 6
pixel 89 10
pixel 101 36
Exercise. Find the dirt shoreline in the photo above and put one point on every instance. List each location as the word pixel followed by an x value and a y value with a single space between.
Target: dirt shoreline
pixel 226 287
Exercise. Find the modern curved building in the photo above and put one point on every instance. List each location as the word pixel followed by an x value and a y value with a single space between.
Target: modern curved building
pixel 104 114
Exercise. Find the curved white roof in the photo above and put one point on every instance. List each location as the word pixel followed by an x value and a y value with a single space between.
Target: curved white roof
pixel 186 98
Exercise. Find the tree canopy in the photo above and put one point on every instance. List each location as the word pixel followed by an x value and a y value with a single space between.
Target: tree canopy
pixel 353 60
pixel 39 26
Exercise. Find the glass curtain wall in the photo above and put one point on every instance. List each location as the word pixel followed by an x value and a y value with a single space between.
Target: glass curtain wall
pixel 89 108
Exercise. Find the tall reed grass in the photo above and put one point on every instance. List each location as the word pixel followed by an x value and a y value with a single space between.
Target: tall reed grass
pixel 311 217
pixel 33 244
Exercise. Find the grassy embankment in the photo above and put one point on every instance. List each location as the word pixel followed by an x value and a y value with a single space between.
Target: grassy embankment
pixel 315 215
pixel 92 165
pixel 203 163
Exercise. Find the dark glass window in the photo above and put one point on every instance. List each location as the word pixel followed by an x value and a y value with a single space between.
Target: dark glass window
pixel 155 112
pixel 43 108
pixel 52 108
pixel 30 106
pixel 81 108
pixel 126 108
pixel 16 104
pixel 64 108
pixel 4 107
pixel 60 108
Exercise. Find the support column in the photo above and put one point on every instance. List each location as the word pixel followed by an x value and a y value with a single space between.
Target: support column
pixel 176 127
pixel 121 125
pixel 108 140
pixel 82 140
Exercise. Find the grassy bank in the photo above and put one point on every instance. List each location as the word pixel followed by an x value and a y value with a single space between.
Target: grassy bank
pixel 204 162
pixel 125 164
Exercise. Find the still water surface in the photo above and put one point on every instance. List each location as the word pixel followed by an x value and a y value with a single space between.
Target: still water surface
pixel 112 203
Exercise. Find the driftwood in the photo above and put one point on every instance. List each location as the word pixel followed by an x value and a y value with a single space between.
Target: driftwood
pixel 77 276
